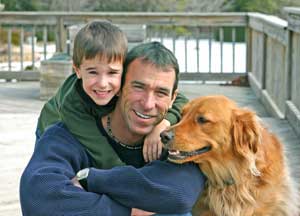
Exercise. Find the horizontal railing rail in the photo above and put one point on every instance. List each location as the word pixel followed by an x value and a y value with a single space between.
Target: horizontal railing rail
pixel 208 46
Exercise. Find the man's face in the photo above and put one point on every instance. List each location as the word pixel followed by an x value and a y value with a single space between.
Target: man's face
pixel 146 96
pixel 101 80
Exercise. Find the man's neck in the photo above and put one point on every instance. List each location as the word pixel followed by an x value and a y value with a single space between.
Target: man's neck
pixel 119 129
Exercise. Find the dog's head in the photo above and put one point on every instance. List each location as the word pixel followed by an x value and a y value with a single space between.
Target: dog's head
pixel 214 132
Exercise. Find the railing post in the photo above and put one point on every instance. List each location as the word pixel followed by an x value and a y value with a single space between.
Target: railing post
pixel 249 49
pixel 288 63
pixel 61 35
pixel 292 112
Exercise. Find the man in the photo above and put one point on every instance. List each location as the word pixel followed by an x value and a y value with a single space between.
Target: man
pixel 48 185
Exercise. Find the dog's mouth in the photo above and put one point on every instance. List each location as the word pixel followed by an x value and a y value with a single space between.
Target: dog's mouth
pixel 181 155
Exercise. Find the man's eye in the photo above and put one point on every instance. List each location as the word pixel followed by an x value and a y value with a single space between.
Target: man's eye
pixel 202 120
pixel 162 94
pixel 138 86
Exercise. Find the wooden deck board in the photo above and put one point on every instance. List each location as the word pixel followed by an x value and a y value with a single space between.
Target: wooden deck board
pixel 20 106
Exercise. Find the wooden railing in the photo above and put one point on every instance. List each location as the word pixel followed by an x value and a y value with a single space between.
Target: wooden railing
pixel 200 31
pixel 272 62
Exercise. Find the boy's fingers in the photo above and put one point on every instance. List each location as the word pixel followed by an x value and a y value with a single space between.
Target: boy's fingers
pixel 145 153
pixel 159 149
pixel 154 152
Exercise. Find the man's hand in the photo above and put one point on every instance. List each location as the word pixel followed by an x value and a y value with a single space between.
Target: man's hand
pixel 152 145
pixel 139 212
pixel 76 182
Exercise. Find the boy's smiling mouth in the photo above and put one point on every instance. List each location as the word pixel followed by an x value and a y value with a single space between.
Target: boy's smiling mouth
pixel 101 92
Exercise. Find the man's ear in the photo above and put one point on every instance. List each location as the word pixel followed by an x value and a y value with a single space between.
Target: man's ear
pixel 77 71
pixel 173 97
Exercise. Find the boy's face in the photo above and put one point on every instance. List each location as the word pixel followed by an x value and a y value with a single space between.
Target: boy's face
pixel 101 80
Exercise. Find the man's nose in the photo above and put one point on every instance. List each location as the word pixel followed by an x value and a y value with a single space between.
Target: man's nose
pixel 149 101
pixel 166 136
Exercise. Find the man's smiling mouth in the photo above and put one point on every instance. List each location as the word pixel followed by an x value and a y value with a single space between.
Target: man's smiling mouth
pixel 142 115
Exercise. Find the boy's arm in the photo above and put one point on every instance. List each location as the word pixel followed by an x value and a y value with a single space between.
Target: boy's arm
pixel 46 188
pixel 174 113
pixel 50 112
pixel 154 187
pixel 152 148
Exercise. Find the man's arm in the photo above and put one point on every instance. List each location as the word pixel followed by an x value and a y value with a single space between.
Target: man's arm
pixel 154 187
pixel 46 183
pixel 46 187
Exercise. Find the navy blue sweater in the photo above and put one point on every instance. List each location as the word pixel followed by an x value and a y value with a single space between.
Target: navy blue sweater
pixel 46 188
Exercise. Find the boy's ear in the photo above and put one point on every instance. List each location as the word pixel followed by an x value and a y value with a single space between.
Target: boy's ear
pixel 77 71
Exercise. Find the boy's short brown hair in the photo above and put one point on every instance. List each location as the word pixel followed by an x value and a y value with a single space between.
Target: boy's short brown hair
pixel 99 38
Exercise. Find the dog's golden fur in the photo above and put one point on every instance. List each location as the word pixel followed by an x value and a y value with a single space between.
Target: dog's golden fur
pixel 244 163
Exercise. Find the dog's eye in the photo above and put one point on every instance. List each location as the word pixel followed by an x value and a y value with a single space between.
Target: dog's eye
pixel 202 120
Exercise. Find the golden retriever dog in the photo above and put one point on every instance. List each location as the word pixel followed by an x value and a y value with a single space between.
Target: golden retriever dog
pixel 243 162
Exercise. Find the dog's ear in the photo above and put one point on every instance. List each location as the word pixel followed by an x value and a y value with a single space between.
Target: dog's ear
pixel 246 131
pixel 187 107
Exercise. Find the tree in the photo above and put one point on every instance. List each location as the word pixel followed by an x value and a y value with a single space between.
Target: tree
pixel 20 5
pixel 266 6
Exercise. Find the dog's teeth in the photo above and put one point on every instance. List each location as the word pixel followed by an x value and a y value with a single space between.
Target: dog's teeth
pixel 174 152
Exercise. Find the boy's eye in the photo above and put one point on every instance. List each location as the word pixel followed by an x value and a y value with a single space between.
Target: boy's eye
pixel 92 72
pixel 114 72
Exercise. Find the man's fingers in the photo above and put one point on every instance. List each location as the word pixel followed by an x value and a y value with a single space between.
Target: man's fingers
pixel 139 212
pixel 76 182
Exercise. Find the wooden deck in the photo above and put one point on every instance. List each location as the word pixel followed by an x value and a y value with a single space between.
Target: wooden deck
pixel 20 106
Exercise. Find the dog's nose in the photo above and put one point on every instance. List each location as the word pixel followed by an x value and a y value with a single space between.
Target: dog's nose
pixel 166 136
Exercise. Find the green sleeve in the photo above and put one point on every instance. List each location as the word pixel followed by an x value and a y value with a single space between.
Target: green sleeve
pixel 82 122
pixel 50 112
pixel 174 113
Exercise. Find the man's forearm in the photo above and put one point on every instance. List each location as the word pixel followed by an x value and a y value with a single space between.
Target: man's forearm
pixel 46 188
pixel 144 188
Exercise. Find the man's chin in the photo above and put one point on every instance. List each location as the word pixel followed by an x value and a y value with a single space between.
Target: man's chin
pixel 142 131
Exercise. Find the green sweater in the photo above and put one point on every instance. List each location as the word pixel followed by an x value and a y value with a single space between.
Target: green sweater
pixel 72 106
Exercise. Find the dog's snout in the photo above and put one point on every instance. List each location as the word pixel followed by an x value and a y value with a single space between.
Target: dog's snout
pixel 166 136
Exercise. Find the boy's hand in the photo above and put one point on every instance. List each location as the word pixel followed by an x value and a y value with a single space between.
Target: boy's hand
pixel 152 144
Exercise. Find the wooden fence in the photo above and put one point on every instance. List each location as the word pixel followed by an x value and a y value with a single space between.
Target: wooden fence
pixel 273 47
pixel 174 28
pixel 274 63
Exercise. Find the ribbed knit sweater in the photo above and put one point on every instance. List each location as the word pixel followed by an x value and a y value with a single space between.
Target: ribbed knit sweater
pixel 46 188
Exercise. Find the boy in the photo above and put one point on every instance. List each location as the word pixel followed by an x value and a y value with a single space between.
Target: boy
pixel 99 52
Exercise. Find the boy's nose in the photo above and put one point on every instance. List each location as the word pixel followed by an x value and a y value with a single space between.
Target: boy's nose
pixel 102 81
